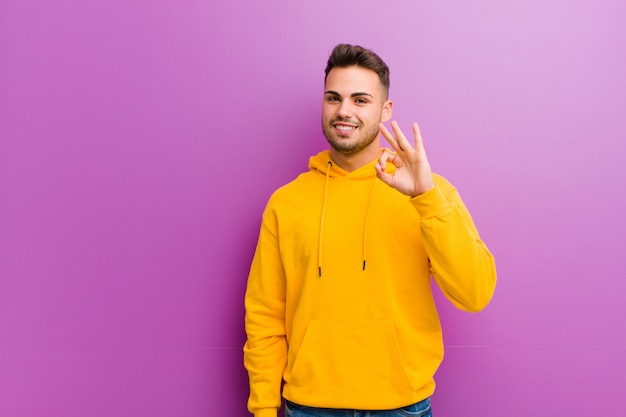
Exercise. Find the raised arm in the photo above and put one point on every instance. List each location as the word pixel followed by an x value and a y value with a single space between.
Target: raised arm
pixel 460 262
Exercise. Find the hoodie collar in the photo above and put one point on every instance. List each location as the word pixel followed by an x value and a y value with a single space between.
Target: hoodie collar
pixel 319 164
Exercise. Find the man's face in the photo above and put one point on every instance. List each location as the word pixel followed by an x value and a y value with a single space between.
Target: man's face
pixel 354 103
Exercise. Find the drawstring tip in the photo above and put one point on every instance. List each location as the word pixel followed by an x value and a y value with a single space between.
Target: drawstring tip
pixel 364 264
pixel 319 271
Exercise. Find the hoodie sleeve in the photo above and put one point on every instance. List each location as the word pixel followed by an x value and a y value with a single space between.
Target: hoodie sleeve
pixel 460 262
pixel 265 351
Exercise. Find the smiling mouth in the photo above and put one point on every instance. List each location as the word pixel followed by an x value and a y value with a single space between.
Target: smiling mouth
pixel 344 127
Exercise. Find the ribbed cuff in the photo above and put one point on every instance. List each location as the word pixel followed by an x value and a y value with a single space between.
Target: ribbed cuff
pixel 266 412
pixel 431 204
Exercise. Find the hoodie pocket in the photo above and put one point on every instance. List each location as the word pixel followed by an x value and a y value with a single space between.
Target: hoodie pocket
pixel 352 357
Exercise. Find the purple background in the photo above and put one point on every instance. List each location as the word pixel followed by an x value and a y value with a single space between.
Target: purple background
pixel 140 140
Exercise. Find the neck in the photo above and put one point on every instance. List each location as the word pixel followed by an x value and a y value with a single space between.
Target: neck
pixel 352 162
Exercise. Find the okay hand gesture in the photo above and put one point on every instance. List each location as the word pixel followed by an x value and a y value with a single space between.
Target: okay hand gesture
pixel 413 175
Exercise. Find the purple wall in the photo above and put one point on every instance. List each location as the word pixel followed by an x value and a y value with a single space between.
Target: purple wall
pixel 139 141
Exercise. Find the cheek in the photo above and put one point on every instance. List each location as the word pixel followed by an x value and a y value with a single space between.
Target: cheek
pixel 327 114
pixel 373 117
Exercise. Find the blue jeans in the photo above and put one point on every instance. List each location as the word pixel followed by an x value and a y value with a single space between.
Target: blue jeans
pixel 420 409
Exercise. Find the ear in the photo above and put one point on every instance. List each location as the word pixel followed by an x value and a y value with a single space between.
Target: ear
pixel 387 111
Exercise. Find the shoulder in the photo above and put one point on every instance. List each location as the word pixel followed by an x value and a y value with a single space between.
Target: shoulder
pixel 295 190
pixel 446 186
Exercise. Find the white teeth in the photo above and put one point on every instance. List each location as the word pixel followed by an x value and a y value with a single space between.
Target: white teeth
pixel 342 127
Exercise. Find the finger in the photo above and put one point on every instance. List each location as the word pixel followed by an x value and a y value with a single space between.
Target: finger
pixel 381 172
pixel 382 161
pixel 419 143
pixel 397 140
pixel 388 136
pixel 403 142
pixel 388 157
pixel 384 176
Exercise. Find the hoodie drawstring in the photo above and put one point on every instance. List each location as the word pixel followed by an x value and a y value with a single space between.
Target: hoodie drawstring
pixel 323 215
pixel 367 218
pixel 329 165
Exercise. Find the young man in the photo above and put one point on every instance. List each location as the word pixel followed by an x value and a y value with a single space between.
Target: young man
pixel 339 308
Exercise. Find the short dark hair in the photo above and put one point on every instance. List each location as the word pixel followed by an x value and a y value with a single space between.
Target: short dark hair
pixel 345 55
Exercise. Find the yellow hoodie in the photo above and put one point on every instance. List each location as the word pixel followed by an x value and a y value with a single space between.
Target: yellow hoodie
pixel 339 304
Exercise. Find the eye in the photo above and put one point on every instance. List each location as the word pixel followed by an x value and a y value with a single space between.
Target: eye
pixel 332 99
pixel 361 100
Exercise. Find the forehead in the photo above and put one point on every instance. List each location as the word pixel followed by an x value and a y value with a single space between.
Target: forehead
pixel 349 80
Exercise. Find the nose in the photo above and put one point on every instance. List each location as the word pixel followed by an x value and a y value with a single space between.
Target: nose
pixel 345 109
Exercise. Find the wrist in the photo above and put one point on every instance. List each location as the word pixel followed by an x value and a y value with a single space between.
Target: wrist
pixel 423 189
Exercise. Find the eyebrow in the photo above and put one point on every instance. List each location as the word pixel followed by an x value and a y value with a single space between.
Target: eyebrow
pixel 357 94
